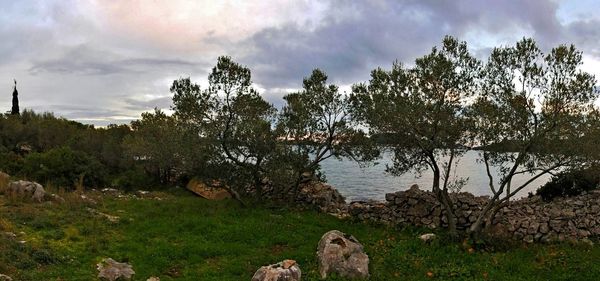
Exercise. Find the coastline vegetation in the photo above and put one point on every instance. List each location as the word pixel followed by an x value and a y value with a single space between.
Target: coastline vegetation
pixel 538 106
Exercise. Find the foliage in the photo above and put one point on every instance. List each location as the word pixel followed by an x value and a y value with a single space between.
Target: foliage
pixel 155 145
pixel 231 119
pixel 538 103
pixel 420 111
pixel 315 124
pixel 569 183
pixel 63 167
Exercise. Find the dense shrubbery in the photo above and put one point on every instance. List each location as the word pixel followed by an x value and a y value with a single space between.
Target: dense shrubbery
pixel 64 167
pixel 60 152
pixel 569 183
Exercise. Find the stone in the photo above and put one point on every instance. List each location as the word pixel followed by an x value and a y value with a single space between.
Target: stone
pixel 153 279
pixel 544 228
pixel 5 278
pixel 342 254
pixel 427 237
pixel 4 178
pixel 212 192
pixel 28 188
pixel 110 218
pixel 322 196
pixel 530 219
pixel 109 269
pixel 287 270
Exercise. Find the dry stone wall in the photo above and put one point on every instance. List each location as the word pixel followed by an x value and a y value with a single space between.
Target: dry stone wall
pixel 527 219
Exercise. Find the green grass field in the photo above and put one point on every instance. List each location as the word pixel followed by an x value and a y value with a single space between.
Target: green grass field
pixel 186 238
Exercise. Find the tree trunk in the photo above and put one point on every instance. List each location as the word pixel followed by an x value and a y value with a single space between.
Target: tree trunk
pixel 446 203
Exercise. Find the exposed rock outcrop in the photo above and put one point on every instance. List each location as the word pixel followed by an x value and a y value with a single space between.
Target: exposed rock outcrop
pixel 210 192
pixel 287 270
pixel 109 269
pixel 342 254
pixel 33 190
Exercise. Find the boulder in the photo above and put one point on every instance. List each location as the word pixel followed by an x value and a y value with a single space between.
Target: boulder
pixel 427 237
pixel 4 177
pixel 342 254
pixel 210 192
pixel 287 270
pixel 109 269
pixel 28 188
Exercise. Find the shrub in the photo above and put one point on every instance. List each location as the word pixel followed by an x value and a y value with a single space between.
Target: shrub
pixel 569 183
pixel 133 179
pixel 64 167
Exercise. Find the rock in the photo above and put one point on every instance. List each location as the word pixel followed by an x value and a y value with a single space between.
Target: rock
pixel 343 254
pixel 28 188
pixel 111 191
pixel 153 279
pixel 5 278
pixel 4 178
pixel 287 270
pixel 544 228
pixel 110 218
pixel 213 192
pixel 109 269
pixel 428 237
pixel 323 196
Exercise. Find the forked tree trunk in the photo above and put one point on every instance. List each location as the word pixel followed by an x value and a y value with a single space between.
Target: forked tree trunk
pixel 446 203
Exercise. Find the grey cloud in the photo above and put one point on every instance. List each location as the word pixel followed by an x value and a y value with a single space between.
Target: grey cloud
pixel 145 105
pixel 81 112
pixel 86 60
pixel 378 32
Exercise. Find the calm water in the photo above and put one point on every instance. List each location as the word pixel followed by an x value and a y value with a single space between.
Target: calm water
pixel 372 182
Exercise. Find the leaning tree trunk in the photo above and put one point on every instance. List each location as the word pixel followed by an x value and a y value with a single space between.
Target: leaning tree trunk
pixel 446 203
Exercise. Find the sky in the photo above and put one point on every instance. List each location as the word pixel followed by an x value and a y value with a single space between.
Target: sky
pixel 101 62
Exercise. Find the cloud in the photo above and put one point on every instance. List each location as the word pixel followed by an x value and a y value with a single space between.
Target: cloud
pixel 97 55
pixel 146 105
pixel 86 60
pixel 355 37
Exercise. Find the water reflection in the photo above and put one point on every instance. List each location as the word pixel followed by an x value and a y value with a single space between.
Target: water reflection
pixel 357 183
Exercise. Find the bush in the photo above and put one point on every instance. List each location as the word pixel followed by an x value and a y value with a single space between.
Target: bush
pixel 569 183
pixel 64 167
pixel 134 179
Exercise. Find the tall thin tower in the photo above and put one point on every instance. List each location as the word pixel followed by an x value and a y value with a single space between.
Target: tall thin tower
pixel 15 101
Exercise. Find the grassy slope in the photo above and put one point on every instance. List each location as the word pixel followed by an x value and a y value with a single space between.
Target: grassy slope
pixel 186 238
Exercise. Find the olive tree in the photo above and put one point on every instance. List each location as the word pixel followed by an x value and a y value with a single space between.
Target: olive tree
pixel 155 143
pixel 530 118
pixel 420 111
pixel 230 118
pixel 315 124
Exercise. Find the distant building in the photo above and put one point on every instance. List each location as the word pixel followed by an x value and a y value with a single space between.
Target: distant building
pixel 15 101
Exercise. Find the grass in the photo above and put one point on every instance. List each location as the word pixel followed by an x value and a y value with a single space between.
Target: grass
pixel 186 238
